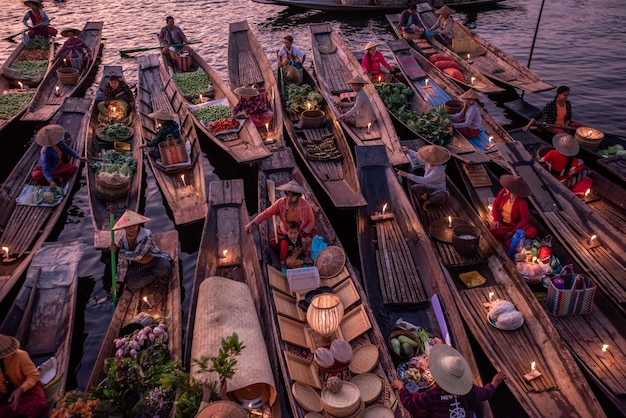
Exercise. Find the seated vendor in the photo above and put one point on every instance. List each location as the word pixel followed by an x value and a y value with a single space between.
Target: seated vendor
pixel 295 250
pixel 254 106
pixel 289 54
pixel 563 164
pixel 78 53
pixel 431 187
pixel 468 121
pixel 115 94
pixel 168 128
pixel 373 63
pixel 362 113
pixel 409 23
pixel 444 25
pixel 510 210
pixel 174 43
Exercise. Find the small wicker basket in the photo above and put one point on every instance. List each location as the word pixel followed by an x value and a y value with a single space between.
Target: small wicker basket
pixel 312 119
pixel 111 191
pixel 68 76
pixel 589 137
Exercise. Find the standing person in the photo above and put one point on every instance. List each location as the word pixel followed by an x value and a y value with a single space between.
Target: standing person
pixel 468 121
pixel 562 163
pixel 289 54
pixel 170 36
pixel 557 113
pixel 431 187
pixel 453 393
pixel 510 210
pixel 254 105
pixel 50 168
pixel 290 208
pixel 115 93
pixel 140 261
pixel 409 23
pixel 21 393
pixel 372 61
pixel 362 113
pixel 443 26
pixel 293 246
pixel 39 20
pixel 168 129
pixel 77 50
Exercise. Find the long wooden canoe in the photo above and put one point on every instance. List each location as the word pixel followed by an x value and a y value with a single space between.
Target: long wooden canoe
pixel 42 315
pixel 337 175
pixel 245 146
pixel 8 84
pixel 582 334
pixel 165 301
pixel 334 65
pixel 472 78
pixel 227 251
pixel 48 99
pixel 100 208
pixel 24 228
pixel 400 271
pixel 286 318
pixel 373 6
pixel 561 390
pixel 184 190
pixel 484 56
pixel 248 66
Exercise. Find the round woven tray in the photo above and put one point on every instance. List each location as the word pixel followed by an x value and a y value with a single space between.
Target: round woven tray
pixel 307 397
pixel 378 411
pixel 343 403
pixel 364 359
pixel 222 409
pixel 589 137
pixel 330 261
pixel 327 49
pixel 356 414
pixel 370 386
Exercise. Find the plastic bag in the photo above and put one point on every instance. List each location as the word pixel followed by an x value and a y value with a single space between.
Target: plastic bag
pixel 317 245
pixel 533 272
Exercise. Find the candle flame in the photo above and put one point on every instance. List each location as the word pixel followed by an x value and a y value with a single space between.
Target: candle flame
pixel 490 139
pixel 589 133
pixel 201 97
pixel 145 299
pixel 224 253
pixel 449 219
pixel 57 87
pixel 182 178
pixel 587 192
pixel 426 81
pixel 490 207
pixel 380 78
pixel 384 208
pixel 19 83
pixel 592 238
pixel 532 366
pixel 468 57
pixel 605 347
pixel 267 127
pixel 490 296
pixel 308 106
pixel 6 251
pixel 473 79
pixel 113 109
pixel 534 259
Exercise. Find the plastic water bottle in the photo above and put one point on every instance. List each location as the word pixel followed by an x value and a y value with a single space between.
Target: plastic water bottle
pixel 516 243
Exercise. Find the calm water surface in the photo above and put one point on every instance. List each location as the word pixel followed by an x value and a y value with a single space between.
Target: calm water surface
pixel 577 45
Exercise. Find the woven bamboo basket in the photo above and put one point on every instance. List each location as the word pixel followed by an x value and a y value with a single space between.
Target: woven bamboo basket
pixel 68 76
pixel 113 190
pixel 465 239
pixel 589 137
pixel 453 106
pixel 312 119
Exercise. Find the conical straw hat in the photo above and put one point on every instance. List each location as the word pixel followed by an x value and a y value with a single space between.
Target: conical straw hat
pixel 450 370
pixel 8 345
pixel 445 10
pixel 370 45
pixel 161 115
pixel 66 32
pixel 222 409
pixel 292 186
pixel 330 261
pixel 516 185
pixel 566 144
pixel 130 218
pixel 470 94
pixel 433 154
pixel 50 135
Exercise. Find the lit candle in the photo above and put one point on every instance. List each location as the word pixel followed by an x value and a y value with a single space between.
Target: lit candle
pixel 369 127
pixel 468 57
pixel 148 304
pixel 490 296
pixel 490 140
pixel 533 370
pixel 384 209
pixel 113 109
pixel 267 128
pixel 224 253
pixel 182 178
pixel 57 88
pixel 490 207
pixel 19 83
pixel 380 79
pixel 449 221
pixel 589 134
pixel 200 97
pixel 308 105
pixel 473 79
pixel 602 353
pixel 593 237
pixel 587 193
pixel 6 252
pixel 65 62
pixel 426 82
pixel 534 260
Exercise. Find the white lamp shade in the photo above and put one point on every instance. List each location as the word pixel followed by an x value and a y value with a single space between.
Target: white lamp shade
pixel 325 313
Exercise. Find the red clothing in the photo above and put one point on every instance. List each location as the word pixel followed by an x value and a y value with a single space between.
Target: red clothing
pixel 556 162
pixel 23 374
pixel 287 247
pixel 437 403
pixel 520 216
pixel 371 64
pixel 279 208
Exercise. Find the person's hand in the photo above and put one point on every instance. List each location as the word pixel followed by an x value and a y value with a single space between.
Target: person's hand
pixel 83 159
pixel 404 149
pixel 495 224
pixel 248 227
pixel 526 128
pixel 498 378
pixel 397 384
pixel 53 185
pixel 113 247
pixel 509 235
pixel 402 173
pixel 14 399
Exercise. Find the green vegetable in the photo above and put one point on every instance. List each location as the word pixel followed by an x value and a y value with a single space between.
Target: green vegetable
pixel 301 98
pixel 192 84
pixel 213 113
pixel 407 350
pixel 37 42
pixel 621 152
pixel 114 163
pixel 406 340
pixel 11 103
pixel 604 153
pixel 424 339
pixel 395 345
pixel 30 68
pixel 115 132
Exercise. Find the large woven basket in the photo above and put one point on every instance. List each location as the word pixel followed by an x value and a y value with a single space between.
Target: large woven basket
pixel 68 75
pixel 113 190
pixel 589 137
pixel 312 119
pixel 465 239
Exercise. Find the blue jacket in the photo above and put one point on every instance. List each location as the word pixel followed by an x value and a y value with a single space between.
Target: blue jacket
pixel 49 160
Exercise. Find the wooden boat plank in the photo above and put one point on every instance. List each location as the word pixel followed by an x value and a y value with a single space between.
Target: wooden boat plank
pixel 339 6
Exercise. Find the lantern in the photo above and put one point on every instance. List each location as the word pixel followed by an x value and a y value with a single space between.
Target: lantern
pixel 325 313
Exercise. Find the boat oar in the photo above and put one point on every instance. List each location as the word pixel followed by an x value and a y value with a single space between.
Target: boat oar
pixel 271 195
pixel 113 259
pixel 125 52
pixel 10 38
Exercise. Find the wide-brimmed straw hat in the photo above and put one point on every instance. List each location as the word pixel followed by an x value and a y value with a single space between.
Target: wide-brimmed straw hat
pixel 66 32
pixel 470 94
pixel 50 135
pixel 450 370
pixel 161 115
pixel 445 10
pixel 8 345
pixel 130 218
pixel 433 154
pixel 246 91
pixel 566 144
pixel 292 186
pixel 370 45
pixel 356 80
pixel 516 185
pixel 330 261
pixel 37 2
pixel 222 409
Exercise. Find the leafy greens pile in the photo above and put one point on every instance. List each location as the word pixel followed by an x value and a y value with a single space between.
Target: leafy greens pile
pixel 11 103
pixel 298 97
pixel 30 68
pixel 115 132
pixel 213 113
pixel 113 163
pixel 192 84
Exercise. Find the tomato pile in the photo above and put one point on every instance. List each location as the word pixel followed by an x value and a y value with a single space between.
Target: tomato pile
pixel 223 125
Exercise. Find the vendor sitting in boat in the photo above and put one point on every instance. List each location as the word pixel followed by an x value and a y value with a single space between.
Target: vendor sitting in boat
pixel 409 23
pixel 563 164
pixel 431 187
pixel 290 208
pixel 140 261
pixel 557 114
pixel 50 168
pixel 443 26
pixel 21 392
pixel 468 121
pixel 39 20
pixel 295 249
pixel 78 53
pixel 372 61
pixel 172 38
pixel 116 94
pixel 510 210
pixel 289 54
pixel 168 129
pixel 361 115
pixel 254 105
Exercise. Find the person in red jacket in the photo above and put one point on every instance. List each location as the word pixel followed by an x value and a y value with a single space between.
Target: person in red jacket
pixel 453 394
pixel 372 63
pixel 510 209
pixel 562 163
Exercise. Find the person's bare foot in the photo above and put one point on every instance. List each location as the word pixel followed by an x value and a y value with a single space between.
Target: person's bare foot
pixel 425 205
pixel 308 260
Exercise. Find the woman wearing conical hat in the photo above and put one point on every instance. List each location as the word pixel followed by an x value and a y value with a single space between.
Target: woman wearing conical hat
pixel 510 210
pixel 468 121
pixel 140 261
pixel 76 49
pixel 253 105
pixel 373 63
pixel 431 187
pixel 362 113
pixel 167 128
pixel 39 21
pixel 444 24
pixel 563 164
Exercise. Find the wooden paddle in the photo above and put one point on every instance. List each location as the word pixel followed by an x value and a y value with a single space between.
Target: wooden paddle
pixel 124 52
pixel 271 195
pixel 10 38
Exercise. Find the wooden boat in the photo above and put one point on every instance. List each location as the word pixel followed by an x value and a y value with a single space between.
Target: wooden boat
pixel 248 66
pixel 581 333
pixel 614 166
pixel 332 71
pixel 42 315
pixel 337 176
pixel 561 389
pixel 484 56
pixel 165 301
pixel 472 78
pixel 9 79
pixel 368 6
pixel 24 228
pixel 399 269
pixel 294 358
pixel 183 188
pixel 245 146
pixel 226 251
pixel 99 206
pixel 48 98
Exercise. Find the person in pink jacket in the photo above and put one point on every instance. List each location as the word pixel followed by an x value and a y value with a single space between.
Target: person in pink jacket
pixel 510 209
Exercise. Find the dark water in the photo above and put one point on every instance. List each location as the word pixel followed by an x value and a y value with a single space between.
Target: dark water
pixel 577 45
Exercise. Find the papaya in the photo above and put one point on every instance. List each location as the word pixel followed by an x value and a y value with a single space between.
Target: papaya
pixel 407 350
pixel 406 340
pixel 395 345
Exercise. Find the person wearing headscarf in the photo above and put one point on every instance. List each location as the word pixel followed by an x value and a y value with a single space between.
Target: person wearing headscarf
pixel 431 187
pixel 444 24
pixel 140 261
pixel 362 113
pixel 254 105
pixel 39 21
pixel 410 24
pixel 453 393
pixel 115 93
pixel 468 121
pixel 21 393
pixel 562 163
pixel 557 114
pixel 50 167
pixel 510 210
pixel 76 49
pixel 372 62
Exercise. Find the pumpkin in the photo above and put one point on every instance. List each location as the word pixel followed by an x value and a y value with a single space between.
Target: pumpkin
pixel 334 384
pixel 439 57
pixel 324 358
pixel 442 65
pixel 454 73
pixel 341 350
